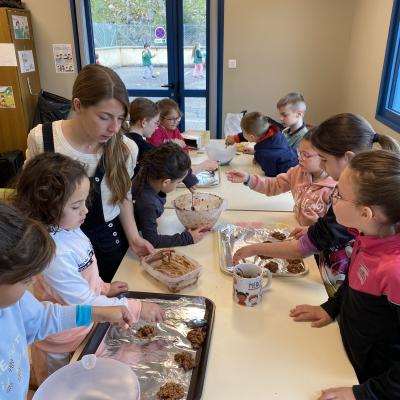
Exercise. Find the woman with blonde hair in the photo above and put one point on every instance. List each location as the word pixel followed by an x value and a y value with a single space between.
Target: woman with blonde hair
pixel 93 136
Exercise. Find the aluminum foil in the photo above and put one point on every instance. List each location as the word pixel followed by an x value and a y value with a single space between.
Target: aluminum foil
pixel 153 359
pixel 207 179
pixel 233 237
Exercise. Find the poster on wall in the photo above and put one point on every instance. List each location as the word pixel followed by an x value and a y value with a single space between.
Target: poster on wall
pixel 63 60
pixel 21 27
pixel 26 63
pixel 6 97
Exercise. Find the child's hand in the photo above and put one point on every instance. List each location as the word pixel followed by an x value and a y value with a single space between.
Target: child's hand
pixel 242 253
pixel 229 140
pixel 119 315
pixel 248 150
pixel 314 314
pixel 254 161
pixel 152 312
pixel 237 176
pixel 340 393
pixel 116 288
pixel 141 246
pixel 208 165
pixel 298 232
pixel 198 234
pixel 179 142
pixel 192 189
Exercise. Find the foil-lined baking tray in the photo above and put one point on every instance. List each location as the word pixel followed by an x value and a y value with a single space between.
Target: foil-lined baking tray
pixel 207 179
pixel 152 360
pixel 233 237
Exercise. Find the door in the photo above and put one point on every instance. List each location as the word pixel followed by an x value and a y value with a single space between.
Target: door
pixel 158 48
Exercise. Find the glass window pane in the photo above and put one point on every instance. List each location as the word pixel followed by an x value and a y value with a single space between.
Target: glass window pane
pixel 121 29
pixel 195 51
pixel 195 113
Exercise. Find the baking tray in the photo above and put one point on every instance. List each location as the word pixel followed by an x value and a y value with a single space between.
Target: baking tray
pixel 198 373
pixel 232 237
pixel 206 179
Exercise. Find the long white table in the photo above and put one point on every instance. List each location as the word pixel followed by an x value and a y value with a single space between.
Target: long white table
pixel 257 353
pixel 238 196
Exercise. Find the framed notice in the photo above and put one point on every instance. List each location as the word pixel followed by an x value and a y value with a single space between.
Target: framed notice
pixel 63 60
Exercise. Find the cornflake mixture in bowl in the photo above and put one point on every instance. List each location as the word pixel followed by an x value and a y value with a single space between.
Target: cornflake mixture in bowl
pixel 199 209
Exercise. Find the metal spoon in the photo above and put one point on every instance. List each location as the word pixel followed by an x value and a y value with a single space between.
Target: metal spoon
pixel 192 208
pixel 196 323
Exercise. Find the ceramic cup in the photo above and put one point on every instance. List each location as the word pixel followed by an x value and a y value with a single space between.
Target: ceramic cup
pixel 248 285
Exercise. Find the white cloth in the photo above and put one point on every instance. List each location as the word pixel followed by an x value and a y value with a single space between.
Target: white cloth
pixel 61 145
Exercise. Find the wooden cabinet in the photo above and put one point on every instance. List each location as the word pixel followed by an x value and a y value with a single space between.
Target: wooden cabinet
pixel 16 119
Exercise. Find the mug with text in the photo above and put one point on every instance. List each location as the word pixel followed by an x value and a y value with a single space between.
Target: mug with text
pixel 248 285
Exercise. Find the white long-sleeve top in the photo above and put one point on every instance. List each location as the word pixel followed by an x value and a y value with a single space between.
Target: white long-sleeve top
pixel 73 278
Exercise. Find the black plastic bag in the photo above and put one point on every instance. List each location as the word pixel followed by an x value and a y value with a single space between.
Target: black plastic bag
pixel 11 3
pixel 51 107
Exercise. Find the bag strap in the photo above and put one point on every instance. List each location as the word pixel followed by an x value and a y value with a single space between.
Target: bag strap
pixel 47 134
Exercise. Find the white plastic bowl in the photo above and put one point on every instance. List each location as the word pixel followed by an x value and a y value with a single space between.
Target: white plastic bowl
pixel 220 152
pixel 207 209
pixel 105 379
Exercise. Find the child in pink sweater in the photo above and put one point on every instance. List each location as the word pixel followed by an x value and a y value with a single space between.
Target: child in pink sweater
pixel 168 131
pixel 53 189
pixel 170 117
pixel 310 185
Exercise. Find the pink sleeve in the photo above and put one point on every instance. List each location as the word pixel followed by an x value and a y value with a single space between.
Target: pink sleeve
pixel 271 186
pixel 178 135
pixel 157 138
pixel 104 287
pixel 135 307
pixel 306 247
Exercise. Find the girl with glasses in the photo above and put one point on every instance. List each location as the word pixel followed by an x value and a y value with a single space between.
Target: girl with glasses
pixel 310 185
pixel 336 140
pixel 367 201
pixel 168 131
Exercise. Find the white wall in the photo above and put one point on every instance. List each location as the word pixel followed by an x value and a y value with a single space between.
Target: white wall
pixel 368 40
pixel 52 24
pixel 283 46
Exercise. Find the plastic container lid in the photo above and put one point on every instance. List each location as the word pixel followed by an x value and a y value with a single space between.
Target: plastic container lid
pixel 89 379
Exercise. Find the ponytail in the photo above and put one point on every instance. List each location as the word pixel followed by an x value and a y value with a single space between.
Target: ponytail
pixel 349 132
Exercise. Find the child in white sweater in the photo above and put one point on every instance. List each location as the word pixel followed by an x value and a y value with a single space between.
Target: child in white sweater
pixel 310 185
pixel 53 189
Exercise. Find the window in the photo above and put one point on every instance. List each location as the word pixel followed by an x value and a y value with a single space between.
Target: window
pixel 388 109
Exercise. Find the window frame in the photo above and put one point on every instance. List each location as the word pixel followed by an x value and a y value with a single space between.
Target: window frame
pixel 390 74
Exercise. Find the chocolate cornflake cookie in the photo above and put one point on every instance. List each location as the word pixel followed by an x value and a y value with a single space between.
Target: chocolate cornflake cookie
pixel 170 391
pixel 294 260
pixel 278 235
pixel 196 337
pixel 272 266
pixel 295 268
pixel 185 360
pixel 146 332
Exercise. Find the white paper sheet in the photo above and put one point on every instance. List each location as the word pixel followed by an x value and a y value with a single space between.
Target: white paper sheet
pixel 7 55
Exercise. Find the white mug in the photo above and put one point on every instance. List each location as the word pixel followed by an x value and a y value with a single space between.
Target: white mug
pixel 248 285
